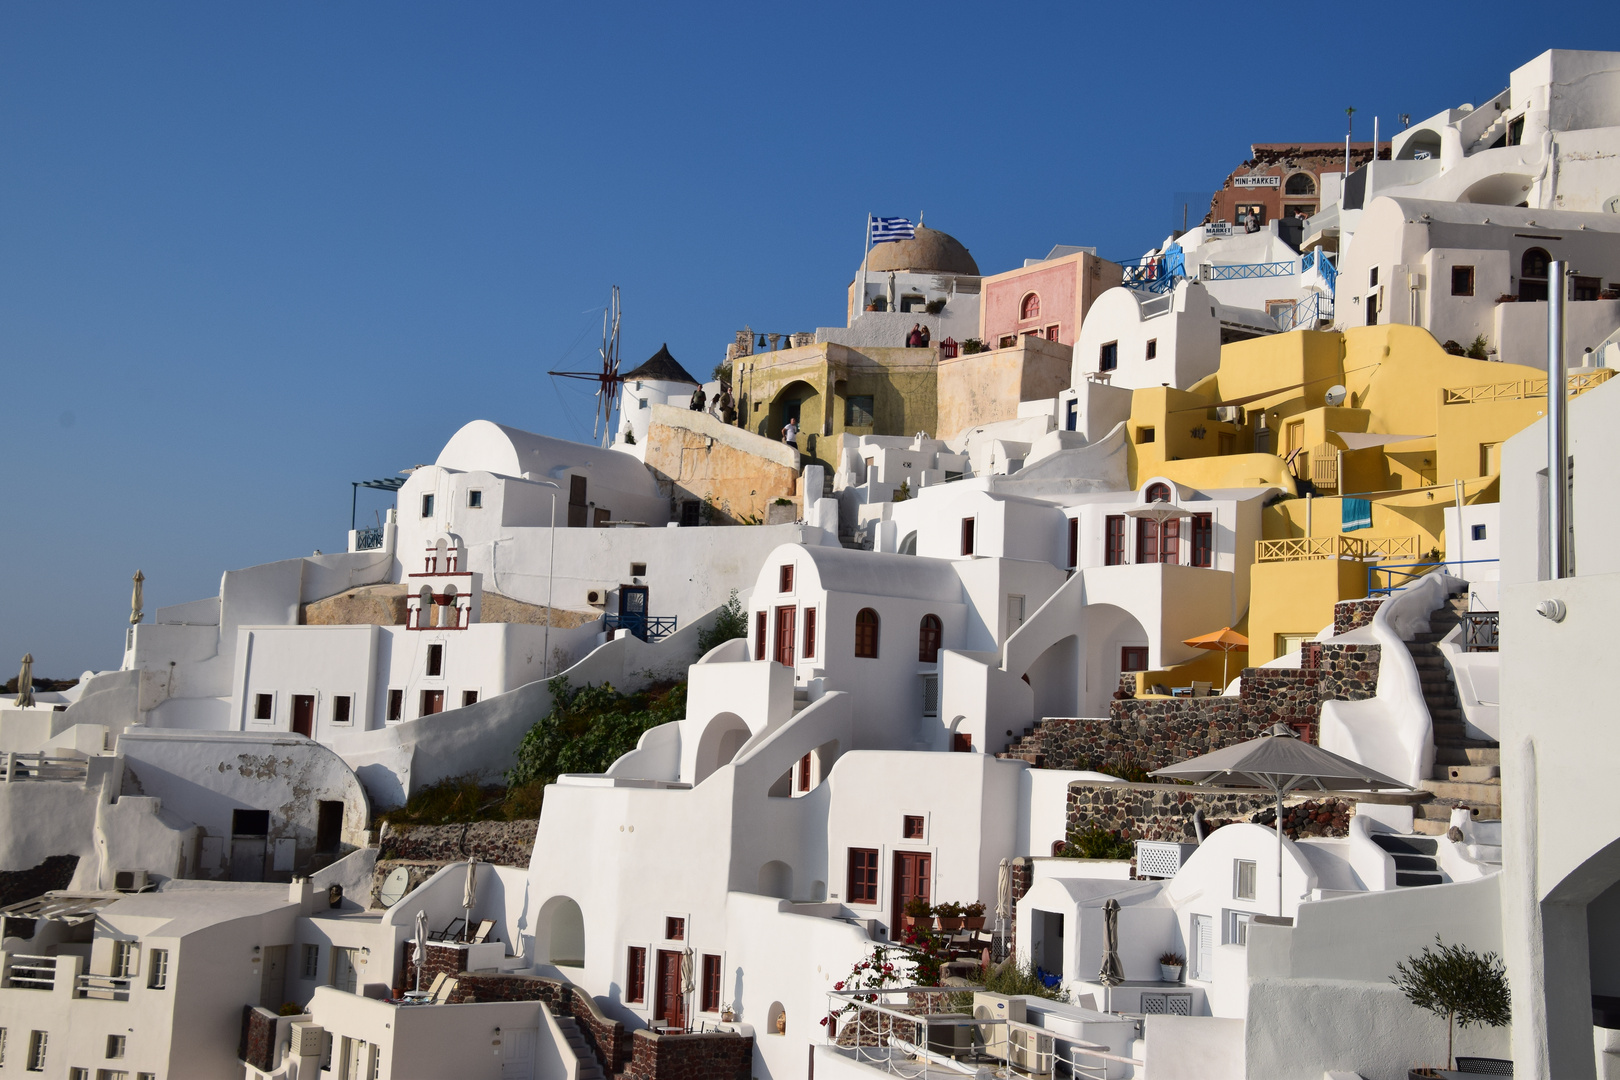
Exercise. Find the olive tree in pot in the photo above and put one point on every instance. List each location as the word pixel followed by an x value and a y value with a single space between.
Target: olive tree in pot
pixel 1455 982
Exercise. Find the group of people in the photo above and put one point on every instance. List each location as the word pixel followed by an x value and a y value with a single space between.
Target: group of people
pixel 723 406
pixel 919 337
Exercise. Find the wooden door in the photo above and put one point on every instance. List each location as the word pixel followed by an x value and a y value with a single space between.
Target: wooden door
pixel 671 1004
pixel 784 635
pixel 303 716
pixel 273 980
pixel 913 870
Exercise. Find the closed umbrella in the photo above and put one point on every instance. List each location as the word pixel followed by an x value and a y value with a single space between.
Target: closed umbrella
pixel 25 682
pixel 1225 639
pixel 1113 972
pixel 1278 762
pixel 419 954
pixel 1159 511
pixel 469 897
pixel 135 604
pixel 688 983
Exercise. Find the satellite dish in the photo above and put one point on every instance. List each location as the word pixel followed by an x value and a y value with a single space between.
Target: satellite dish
pixel 1336 395
pixel 394 886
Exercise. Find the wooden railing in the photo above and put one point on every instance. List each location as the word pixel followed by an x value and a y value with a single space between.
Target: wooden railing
pixel 1522 389
pixel 1365 549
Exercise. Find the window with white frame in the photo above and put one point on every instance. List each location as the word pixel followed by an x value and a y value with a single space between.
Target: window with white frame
pixel 312 961
pixel 36 1051
pixel 475 499
pixel 427 506
pixel 1237 928
pixel 2 1046
pixel 342 708
pixel 78 1074
pixel 1243 872
pixel 1203 946
pixel 125 959
pixel 157 969
pixel 264 706
pixel 116 1044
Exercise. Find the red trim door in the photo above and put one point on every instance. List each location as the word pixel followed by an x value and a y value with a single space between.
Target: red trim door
pixel 671 1005
pixel 303 715
pixel 784 635
pixel 913 870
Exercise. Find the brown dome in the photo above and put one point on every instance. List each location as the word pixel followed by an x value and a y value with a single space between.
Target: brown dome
pixel 929 252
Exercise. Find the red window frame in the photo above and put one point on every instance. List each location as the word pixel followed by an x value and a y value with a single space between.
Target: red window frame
pixel 929 633
pixel 1074 542
pixel 635 975
pixel 967 535
pixel 863 876
pixel 759 635
pixel 867 625
pixel 674 928
pixel 711 983
pixel 911 826
pixel 784 578
pixel 1203 539
pixel 1114 540
pixel 1147 541
pixel 809 633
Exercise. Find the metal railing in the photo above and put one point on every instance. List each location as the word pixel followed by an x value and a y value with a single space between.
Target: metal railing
pixel 1480 630
pixel 1398 576
pixel 1244 271
pixel 368 539
pixel 1520 389
pixel 40 767
pixel 1154 273
pixel 32 972
pixel 103 987
pixel 1330 273
pixel 645 627
pixel 1309 312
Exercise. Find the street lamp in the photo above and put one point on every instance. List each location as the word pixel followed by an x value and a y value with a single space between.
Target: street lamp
pixel 551 569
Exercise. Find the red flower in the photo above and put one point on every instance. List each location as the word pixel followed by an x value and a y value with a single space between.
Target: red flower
pixel 838 986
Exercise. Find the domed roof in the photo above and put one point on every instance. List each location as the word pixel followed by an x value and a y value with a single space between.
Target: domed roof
pixel 929 252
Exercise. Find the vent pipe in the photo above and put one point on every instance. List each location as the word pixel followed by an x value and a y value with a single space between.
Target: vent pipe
pixel 1558 524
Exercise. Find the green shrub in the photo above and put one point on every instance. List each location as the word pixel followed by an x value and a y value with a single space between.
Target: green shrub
pixel 1098 843
pixel 1012 978
pixel 1457 983
pixel 1476 348
pixel 590 728
pixel 731 622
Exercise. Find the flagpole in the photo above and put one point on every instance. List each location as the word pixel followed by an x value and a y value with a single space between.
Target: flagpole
pixel 860 301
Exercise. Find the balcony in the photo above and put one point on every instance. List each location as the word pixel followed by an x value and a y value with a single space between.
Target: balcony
pixel 1522 389
pixel 32 972
pixel 645 627
pixel 368 539
pixel 1246 271
pixel 1480 630
pixel 1305 548
pixel 102 987
pixel 40 767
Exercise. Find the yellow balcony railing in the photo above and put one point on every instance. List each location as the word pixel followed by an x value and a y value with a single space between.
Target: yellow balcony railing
pixel 1522 389
pixel 1364 549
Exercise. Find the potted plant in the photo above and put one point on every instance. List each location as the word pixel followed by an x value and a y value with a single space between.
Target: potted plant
pixel 918 911
pixel 1455 982
pixel 950 915
pixel 1170 965
pixel 973 916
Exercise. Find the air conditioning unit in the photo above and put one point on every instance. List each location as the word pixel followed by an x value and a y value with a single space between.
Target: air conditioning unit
pixel 997 1007
pixel 1230 414
pixel 308 1039
pixel 1161 858
pixel 596 597
pixel 133 881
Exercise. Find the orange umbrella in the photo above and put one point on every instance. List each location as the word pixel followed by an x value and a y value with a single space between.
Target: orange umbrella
pixel 1225 639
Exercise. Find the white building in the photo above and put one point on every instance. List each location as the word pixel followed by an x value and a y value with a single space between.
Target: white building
pixel 661 380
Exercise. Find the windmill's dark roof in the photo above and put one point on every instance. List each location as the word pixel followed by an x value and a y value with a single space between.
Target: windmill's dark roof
pixel 662 367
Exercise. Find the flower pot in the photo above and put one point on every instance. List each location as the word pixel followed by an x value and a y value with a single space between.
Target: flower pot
pixel 1170 972
pixel 950 922
pixel 1421 1073
pixel 974 922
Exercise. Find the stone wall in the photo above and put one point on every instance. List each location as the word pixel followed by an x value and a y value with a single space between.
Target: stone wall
pixel 1143 734
pixel 1351 615
pixel 1165 811
pixel 257 1046
pixel 504 843
pixel 734 474
pixel 56 872
pixel 714 1055
pixel 384 605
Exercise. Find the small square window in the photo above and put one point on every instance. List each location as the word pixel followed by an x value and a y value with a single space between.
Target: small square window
pixel 250 822
pixel 1237 928
pixel 911 827
pixel 1372 277
pixel 638 569
pixel 1152 348
pixel 1108 356
pixel 396 704
pixel 342 704
pixel 469 697
pixel 1462 281
pixel 427 506
pixel 435 660
pixel 115 1045
pixel 1145 434
pixel 784 579
pixel 475 499
pixel 1243 872
pixel 1476 532
pixel 263 706
pixel 1007 341
pixel 674 929
pixel 312 961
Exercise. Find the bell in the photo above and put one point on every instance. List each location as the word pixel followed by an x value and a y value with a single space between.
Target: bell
pixel 761 344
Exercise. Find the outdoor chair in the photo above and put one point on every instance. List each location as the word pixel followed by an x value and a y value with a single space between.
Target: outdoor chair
pixel 483 932
pixel 451 932
pixel 441 996
pixel 1202 689
pixel 1483 1066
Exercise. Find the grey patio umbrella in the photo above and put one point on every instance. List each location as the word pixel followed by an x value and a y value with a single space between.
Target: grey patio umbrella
pixel 1279 762
pixel 1113 972
pixel 135 601
pixel 1159 511
pixel 25 682
pixel 420 953
pixel 688 984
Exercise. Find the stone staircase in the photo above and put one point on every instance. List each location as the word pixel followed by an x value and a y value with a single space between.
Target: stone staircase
pixel 590 1068
pixel 1027 747
pixel 1466 771
pixel 1415 858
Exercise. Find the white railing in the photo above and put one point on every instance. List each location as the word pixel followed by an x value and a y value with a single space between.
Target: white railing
pixel 40 767
pixel 32 972
pixel 103 987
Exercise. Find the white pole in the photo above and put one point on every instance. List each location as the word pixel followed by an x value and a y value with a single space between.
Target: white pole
pixel 1279 851
pixel 860 300
pixel 1461 529
pixel 1557 428
pixel 551 577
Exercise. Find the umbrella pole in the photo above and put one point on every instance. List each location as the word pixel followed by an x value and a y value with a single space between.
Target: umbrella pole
pixel 1279 852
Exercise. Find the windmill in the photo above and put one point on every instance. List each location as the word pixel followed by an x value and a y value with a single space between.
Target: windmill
pixel 609 381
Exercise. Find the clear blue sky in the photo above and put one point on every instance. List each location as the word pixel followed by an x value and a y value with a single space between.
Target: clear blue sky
pixel 249 253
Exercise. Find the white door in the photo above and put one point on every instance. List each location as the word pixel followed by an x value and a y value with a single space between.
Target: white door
pixel 346 969
pixel 1203 936
pixel 517 1055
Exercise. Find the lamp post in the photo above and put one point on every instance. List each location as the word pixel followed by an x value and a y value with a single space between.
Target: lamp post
pixel 551 569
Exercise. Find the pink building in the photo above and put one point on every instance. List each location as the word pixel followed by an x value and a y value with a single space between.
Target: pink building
pixel 1048 299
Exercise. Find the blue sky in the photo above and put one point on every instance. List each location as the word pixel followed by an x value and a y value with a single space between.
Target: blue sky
pixel 249 253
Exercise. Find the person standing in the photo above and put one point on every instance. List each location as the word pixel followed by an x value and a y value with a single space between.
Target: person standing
pixel 728 408
pixel 925 336
pixel 914 339
pixel 790 433
pixel 699 399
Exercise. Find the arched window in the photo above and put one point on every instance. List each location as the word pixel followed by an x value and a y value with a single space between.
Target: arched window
pixel 1030 308
pixel 1533 275
pixel 928 635
pixel 1158 493
pixel 1300 184
pixel 866 634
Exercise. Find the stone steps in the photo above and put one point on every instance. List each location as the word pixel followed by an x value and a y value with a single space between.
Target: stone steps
pixel 1467 752
pixel 1474 794
pixel 589 1067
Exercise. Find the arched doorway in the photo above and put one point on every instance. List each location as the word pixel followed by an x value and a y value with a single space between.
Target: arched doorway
pixel 1533 267
pixel 560 932
pixel 722 737
pixel 800 401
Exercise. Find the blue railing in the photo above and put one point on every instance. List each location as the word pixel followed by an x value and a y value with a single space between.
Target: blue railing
pixel 1241 271
pixel 645 627
pixel 1398 576
pixel 1315 308
pixel 1155 273
pixel 368 539
pixel 1330 273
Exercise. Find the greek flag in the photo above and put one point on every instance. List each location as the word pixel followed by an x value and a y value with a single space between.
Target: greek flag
pixel 884 229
